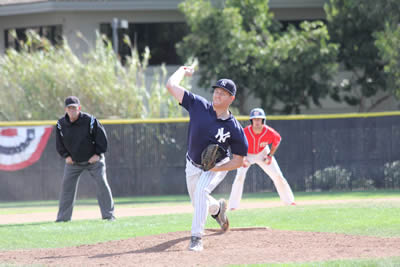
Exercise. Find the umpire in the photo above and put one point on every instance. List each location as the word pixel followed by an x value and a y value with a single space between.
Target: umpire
pixel 82 141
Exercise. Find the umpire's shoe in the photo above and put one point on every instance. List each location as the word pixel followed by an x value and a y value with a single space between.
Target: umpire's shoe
pixel 221 217
pixel 196 244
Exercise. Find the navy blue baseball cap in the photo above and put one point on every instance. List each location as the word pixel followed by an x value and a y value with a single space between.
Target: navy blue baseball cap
pixel 72 101
pixel 226 84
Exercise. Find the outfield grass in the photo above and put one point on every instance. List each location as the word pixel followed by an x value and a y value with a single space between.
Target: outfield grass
pixel 375 194
pixel 361 218
pixel 145 201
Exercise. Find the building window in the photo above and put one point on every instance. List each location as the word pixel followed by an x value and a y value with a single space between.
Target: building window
pixel 296 23
pixel 52 33
pixel 159 37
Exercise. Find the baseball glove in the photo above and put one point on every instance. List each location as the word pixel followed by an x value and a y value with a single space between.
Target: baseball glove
pixel 211 155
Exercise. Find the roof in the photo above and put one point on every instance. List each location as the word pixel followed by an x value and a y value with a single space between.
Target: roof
pixel 18 7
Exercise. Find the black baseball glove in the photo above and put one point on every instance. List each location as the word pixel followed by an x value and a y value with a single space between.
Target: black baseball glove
pixel 211 155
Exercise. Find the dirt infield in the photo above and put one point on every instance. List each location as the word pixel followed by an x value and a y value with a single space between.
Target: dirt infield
pixel 234 247
pixel 237 246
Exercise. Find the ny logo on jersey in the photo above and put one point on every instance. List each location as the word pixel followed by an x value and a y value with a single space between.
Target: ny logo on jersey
pixel 221 136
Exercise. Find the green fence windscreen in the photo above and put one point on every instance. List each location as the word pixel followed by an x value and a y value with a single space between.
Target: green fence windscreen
pixel 149 158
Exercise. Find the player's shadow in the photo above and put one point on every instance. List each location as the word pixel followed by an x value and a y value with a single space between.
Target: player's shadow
pixel 155 249
pixel 158 248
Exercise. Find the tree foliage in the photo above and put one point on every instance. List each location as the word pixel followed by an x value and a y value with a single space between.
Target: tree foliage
pixel 242 41
pixel 297 67
pixel 35 81
pixel 354 24
pixel 388 44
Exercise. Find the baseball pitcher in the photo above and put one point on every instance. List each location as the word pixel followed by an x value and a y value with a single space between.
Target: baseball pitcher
pixel 210 123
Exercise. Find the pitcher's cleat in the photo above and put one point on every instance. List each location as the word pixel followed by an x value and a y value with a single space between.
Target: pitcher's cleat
pixel 221 217
pixel 196 244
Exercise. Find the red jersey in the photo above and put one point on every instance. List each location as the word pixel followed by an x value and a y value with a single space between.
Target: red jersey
pixel 257 142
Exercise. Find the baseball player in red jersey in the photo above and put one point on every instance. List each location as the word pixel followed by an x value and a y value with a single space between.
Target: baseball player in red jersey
pixel 260 136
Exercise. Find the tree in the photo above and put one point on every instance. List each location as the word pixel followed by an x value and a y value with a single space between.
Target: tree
pixel 353 24
pixel 388 44
pixel 297 68
pixel 242 41
pixel 220 44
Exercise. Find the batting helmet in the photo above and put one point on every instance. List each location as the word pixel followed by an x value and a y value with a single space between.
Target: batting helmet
pixel 257 113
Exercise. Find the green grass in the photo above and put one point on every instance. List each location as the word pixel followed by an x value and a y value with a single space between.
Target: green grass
pixel 375 219
pixel 145 201
pixel 52 205
pixel 50 234
pixel 325 195
pixel 124 201
pixel 361 218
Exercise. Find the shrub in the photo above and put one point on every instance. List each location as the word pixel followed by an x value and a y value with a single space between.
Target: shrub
pixel 35 80
pixel 392 174
pixel 363 184
pixel 330 178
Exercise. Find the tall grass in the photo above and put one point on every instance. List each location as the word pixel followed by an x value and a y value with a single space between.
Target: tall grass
pixel 35 80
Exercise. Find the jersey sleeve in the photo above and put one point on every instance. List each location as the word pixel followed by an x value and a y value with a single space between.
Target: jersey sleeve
pixel 275 136
pixel 239 145
pixel 192 101
pixel 188 100
pixel 62 151
pixel 100 137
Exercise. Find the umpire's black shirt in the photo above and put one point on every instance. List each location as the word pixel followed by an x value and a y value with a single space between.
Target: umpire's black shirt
pixel 77 140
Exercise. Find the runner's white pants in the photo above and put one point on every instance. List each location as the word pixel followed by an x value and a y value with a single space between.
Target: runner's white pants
pixel 273 171
pixel 200 184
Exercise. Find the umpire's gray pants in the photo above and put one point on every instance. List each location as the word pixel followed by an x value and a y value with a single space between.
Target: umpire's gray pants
pixel 72 173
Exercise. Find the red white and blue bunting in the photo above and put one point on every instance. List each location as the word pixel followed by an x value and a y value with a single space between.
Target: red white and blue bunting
pixel 22 146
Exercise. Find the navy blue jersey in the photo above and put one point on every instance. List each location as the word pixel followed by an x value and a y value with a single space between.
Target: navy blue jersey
pixel 205 128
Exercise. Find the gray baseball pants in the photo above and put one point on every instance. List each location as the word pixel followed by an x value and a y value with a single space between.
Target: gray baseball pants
pixel 70 185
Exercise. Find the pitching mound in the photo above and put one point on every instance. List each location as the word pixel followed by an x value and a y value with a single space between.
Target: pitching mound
pixel 237 246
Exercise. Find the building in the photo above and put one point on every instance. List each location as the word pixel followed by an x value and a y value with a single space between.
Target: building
pixel 148 21
pixel 157 24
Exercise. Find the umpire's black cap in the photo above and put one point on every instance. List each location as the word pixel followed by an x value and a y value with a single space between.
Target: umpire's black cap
pixel 226 84
pixel 72 101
